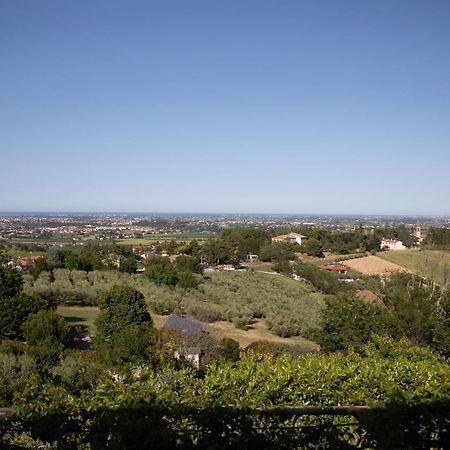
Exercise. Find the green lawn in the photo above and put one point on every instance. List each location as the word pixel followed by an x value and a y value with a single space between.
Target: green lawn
pixel 433 264
pixel 19 253
pixel 79 315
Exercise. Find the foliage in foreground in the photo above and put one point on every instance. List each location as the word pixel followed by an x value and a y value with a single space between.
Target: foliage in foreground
pixel 136 406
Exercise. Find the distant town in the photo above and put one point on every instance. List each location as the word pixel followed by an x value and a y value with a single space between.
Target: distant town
pixel 78 227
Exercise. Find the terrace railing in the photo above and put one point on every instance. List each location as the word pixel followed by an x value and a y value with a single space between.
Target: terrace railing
pixel 306 427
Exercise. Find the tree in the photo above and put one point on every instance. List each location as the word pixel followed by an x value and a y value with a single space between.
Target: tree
pixel 187 280
pixel 313 247
pixel 56 256
pixel 40 265
pixel 15 310
pixel 282 266
pixel 128 264
pixel 10 278
pixel 161 271
pixel 276 251
pixel 47 333
pixel 131 345
pixel 188 264
pixel 348 322
pixel 46 327
pixel 229 349
pixel 120 307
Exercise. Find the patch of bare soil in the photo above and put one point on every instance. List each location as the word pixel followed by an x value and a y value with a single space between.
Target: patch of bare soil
pixel 372 265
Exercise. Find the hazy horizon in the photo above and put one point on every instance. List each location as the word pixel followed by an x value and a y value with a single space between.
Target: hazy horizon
pixel 216 213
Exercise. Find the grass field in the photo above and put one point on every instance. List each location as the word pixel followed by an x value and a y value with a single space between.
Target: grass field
pixel 86 315
pixel 24 253
pixel 160 238
pixel 372 265
pixel 432 264
pixel 79 315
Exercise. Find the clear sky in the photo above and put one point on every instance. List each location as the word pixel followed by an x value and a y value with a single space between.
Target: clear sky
pixel 303 106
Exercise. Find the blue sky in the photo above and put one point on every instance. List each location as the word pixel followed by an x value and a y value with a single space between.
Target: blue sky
pixel 302 106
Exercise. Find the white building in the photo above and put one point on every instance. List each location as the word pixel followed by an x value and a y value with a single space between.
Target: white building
pixel 419 234
pixel 250 258
pixel 291 238
pixel 392 244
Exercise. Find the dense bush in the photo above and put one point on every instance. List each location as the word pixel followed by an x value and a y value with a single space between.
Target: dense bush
pixel 410 309
pixel 164 406
pixel 15 310
pixel 229 349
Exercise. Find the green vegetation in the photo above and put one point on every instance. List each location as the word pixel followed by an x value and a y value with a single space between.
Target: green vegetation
pixel 288 307
pixel 161 406
pixel 15 310
pixel 432 264
pixel 162 272
pixel 162 238
pixel 135 388
pixel 327 282
pixel 409 310
pixel 123 325
pixel 82 316
pixel 438 238
pixel 24 253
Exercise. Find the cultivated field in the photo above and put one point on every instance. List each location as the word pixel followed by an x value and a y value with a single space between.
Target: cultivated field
pixel 286 307
pixel 373 265
pixel 86 315
pixel 162 238
pixel 432 264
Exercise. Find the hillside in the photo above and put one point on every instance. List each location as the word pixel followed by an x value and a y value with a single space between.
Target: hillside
pixel 432 264
pixel 286 307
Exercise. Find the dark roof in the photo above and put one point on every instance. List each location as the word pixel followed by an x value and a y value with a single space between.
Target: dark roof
pixel 175 322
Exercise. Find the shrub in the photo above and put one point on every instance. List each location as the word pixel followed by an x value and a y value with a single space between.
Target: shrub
pixel 15 310
pixel 229 349
pixel 46 326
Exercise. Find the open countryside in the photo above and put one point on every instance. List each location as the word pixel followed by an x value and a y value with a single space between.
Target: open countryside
pixel 431 264
pixel 373 265
pixel 224 225
pixel 257 332
pixel 287 313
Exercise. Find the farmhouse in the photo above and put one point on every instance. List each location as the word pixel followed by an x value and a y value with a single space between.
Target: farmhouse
pixel 392 244
pixel 291 238
pixel 185 332
pixel 178 323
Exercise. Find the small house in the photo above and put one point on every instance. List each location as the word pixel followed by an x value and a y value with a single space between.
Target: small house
pixel 250 258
